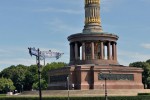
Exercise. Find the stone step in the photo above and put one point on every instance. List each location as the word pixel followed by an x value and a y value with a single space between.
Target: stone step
pixel 110 92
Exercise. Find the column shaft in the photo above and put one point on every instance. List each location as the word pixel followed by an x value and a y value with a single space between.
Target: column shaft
pixel 76 51
pixel 116 51
pixel 71 52
pixel 113 51
pixel 108 51
pixel 102 53
pixel 92 45
pixel 83 51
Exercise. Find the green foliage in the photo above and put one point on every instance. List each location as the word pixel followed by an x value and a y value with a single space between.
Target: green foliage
pixel 16 74
pixel 148 61
pixel 6 85
pixel 24 77
pixel 146 73
pixel 31 77
pixel 43 85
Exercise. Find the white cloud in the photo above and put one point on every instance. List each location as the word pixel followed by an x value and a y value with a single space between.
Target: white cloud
pixel 123 62
pixel 127 57
pixel 146 45
pixel 4 51
pixel 62 27
pixel 56 10
pixel 107 5
pixel 16 61
pixel 15 56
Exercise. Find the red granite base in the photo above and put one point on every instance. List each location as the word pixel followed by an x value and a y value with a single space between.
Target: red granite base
pixel 88 77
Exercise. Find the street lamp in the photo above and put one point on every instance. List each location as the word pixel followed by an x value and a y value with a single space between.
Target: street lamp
pixel 68 86
pixel 106 89
pixel 22 88
pixel 106 96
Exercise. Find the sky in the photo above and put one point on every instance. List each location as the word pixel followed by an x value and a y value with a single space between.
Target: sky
pixel 46 24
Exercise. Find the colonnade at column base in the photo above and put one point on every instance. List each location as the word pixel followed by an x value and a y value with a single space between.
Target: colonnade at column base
pixel 93 48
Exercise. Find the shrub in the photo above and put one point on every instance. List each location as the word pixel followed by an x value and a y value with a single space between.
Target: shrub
pixel 79 98
pixel 143 93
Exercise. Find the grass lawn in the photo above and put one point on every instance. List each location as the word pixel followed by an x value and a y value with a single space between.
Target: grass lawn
pixel 2 95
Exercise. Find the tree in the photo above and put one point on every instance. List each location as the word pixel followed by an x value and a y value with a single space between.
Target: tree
pixel 31 77
pixel 148 61
pixel 43 85
pixel 24 77
pixel 7 72
pixel 16 74
pixel 6 85
pixel 146 73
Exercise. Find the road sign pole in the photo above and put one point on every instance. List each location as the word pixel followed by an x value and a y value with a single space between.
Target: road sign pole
pixel 41 55
pixel 39 72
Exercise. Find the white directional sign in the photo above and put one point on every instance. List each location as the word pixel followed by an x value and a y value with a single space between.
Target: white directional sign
pixel 33 51
pixel 50 54
pixel 45 54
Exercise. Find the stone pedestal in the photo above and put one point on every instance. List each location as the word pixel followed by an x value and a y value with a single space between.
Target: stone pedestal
pixel 92 77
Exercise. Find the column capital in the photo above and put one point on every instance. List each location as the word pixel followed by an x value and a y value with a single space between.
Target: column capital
pixel 113 42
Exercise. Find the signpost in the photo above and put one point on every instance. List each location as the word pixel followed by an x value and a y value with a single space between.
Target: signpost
pixel 41 55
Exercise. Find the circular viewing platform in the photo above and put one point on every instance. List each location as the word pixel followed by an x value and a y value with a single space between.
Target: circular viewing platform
pixel 93 48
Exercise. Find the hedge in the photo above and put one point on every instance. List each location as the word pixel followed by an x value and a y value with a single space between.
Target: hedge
pixel 78 98
pixel 143 93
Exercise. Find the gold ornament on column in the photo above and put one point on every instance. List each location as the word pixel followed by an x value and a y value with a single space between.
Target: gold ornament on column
pixel 92 1
pixel 92 16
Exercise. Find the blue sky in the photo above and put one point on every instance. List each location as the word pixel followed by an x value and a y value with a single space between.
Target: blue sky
pixel 46 24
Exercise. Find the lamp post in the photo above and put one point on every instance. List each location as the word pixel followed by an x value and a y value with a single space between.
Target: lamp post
pixel 22 88
pixel 68 86
pixel 105 78
pixel 106 89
